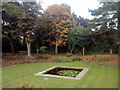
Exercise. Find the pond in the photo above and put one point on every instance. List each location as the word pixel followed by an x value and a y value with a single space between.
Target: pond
pixel 64 72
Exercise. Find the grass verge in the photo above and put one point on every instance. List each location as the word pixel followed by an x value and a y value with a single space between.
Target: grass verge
pixel 98 76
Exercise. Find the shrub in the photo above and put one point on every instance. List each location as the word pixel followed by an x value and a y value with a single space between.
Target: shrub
pixel 101 59
pixel 67 60
pixel 77 58
pixel 69 73
pixel 43 49
pixel 68 54
pixel 22 53
pixel 42 56
pixel 57 59
pixel 61 59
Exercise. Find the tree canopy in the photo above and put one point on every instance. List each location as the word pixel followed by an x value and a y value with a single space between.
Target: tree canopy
pixel 26 24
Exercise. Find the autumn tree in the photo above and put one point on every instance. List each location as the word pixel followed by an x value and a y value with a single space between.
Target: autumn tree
pixel 54 11
pixel 67 7
pixel 62 22
pixel 60 31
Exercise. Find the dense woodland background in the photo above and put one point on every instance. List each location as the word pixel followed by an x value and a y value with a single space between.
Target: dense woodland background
pixel 26 27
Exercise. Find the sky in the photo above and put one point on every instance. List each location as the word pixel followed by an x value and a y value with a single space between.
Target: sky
pixel 79 7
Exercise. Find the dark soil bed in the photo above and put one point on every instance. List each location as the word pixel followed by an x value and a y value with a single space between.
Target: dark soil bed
pixel 10 59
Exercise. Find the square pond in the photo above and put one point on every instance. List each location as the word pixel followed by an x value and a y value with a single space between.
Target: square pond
pixel 53 72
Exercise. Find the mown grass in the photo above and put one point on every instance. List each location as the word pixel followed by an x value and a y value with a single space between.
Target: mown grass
pixel 98 76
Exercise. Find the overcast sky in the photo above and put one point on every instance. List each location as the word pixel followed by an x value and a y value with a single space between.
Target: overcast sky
pixel 79 7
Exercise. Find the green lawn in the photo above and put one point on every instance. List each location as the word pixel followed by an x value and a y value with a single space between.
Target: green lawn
pixel 98 76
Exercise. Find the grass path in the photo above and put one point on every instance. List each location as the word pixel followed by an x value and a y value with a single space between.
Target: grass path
pixel 98 76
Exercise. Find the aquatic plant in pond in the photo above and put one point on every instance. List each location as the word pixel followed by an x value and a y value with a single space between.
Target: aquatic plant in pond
pixel 69 73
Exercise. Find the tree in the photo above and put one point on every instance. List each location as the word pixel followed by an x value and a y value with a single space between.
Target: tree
pixel 29 38
pixel 67 7
pixel 41 30
pixel 82 22
pixel 30 23
pixel 55 10
pixel 106 15
pixel 73 38
pixel 10 15
pixel 78 36
pixel 20 18
pixel 60 32
pixel 61 22
pixel 106 22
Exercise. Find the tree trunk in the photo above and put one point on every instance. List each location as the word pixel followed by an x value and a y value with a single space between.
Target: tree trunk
pixel 11 44
pixel 56 49
pixel 37 48
pixel 83 50
pixel 23 39
pixel 28 48
pixel 24 35
pixel 71 51
pixel 110 51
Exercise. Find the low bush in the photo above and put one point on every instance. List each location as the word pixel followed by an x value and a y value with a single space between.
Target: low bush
pixel 22 53
pixel 77 58
pixel 69 73
pixel 68 54
pixel 67 60
pixel 57 59
pixel 101 59
pixel 43 49
pixel 61 59
pixel 42 56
